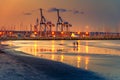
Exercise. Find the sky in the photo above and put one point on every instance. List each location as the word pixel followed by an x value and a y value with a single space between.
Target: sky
pixel 84 15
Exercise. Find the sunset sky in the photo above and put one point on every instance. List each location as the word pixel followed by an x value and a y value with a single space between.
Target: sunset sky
pixel 84 15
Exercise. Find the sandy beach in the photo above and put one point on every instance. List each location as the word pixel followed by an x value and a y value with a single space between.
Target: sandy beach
pixel 20 67
pixel 13 69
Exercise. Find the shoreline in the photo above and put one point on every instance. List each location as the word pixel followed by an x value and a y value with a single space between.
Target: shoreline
pixel 63 39
pixel 42 69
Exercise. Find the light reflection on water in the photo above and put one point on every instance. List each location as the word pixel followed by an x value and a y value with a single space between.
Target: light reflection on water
pixel 81 56
pixel 62 51
pixel 61 47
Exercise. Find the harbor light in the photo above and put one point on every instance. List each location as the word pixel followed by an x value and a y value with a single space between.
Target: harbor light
pixel 53 35
pixel 87 33
pixel 78 32
pixel 0 33
pixel 35 33
pixel 10 33
pixel 53 32
pixel 74 35
pixel 62 32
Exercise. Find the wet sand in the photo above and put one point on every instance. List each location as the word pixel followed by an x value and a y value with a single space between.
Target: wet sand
pixel 21 67
pixel 13 69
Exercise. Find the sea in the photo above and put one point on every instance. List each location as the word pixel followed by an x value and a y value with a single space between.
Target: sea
pixel 99 56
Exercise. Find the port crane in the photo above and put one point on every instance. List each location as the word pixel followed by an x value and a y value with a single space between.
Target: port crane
pixel 67 26
pixel 50 25
pixel 59 26
pixel 62 25
pixel 45 26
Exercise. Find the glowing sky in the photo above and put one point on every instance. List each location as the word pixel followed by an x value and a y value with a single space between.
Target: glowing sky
pixel 99 15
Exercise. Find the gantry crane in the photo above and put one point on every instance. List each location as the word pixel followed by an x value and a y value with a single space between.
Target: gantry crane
pixel 62 25
pixel 45 26
pixel 50 25
pixel 67 26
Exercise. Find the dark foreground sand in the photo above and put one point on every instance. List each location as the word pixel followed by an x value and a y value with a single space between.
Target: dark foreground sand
pixel 19 67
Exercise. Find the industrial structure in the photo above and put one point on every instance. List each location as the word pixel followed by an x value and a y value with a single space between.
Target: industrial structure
pixel 43 29
pixel 62 25
pixel 45 26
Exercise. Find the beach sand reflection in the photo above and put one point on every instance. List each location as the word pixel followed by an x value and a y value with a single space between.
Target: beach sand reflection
pixel 88 55
pixel 62 51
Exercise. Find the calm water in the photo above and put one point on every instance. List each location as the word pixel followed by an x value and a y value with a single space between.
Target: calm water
pixel 102 57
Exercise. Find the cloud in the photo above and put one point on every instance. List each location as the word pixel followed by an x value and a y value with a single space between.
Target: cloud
pixel 52 9
pixel 27 13
pixel 55 9
pixel 77 12
pixel 65 10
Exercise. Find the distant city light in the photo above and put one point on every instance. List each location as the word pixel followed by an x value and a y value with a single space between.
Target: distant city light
pixel 62 32
pixel 35 32
pixel 78 32
pixel 10 33
pixel 53 33
pixel 0 33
